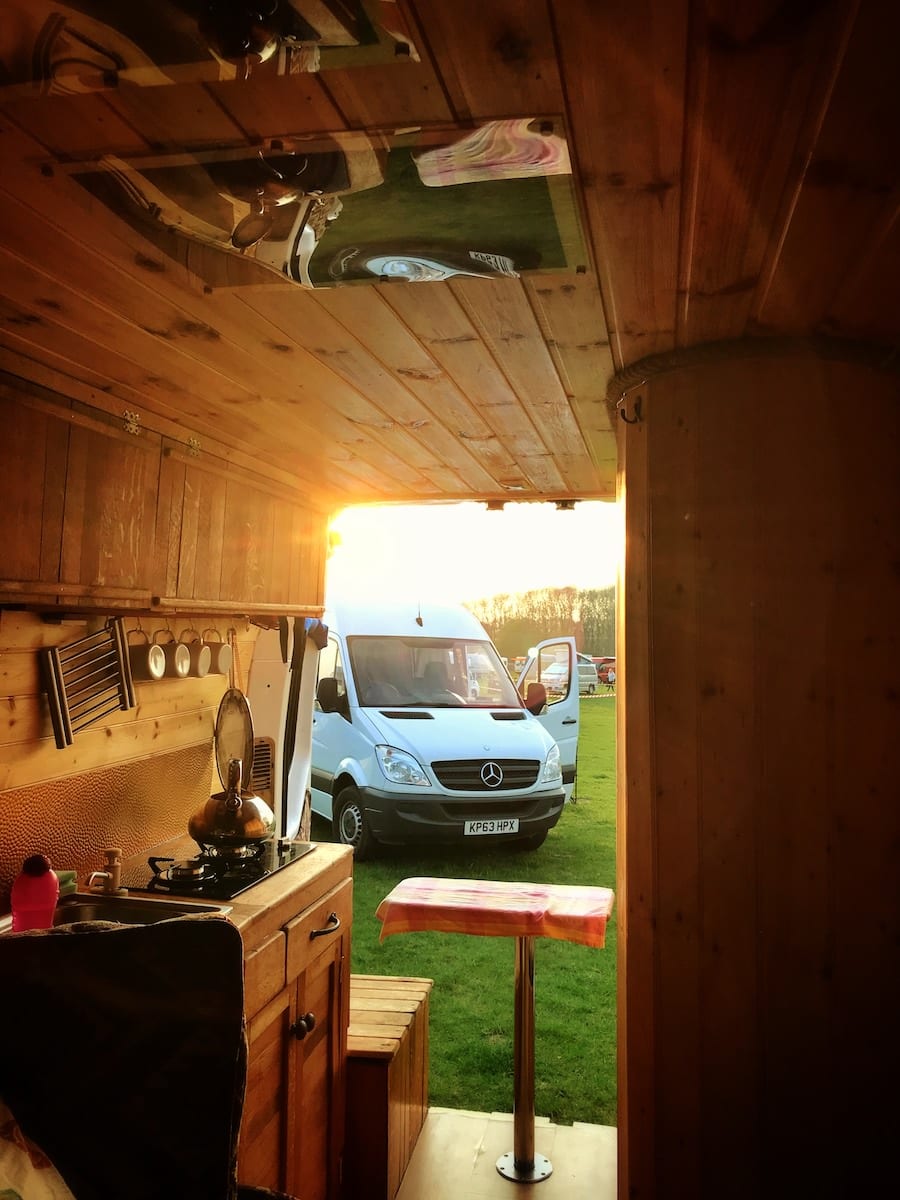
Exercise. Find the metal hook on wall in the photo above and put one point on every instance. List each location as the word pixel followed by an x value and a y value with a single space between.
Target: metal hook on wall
pixel 636 408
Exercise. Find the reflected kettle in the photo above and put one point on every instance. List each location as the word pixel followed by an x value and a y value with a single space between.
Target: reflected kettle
pixel 233 818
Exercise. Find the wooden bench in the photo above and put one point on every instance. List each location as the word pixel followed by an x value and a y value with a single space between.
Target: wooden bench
pixel 387 1082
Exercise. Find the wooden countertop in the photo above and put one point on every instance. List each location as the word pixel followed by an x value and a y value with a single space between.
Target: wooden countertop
pixel 266 906
pixel 261 909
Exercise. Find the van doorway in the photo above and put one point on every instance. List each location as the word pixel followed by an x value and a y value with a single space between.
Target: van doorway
pixel 471 1027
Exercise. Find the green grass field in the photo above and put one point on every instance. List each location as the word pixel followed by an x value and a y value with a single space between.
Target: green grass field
pixel 471 1032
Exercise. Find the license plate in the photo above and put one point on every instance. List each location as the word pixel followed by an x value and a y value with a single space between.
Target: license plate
pixel 494 825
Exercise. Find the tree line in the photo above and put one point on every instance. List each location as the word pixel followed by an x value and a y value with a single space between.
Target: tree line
pixel 517 622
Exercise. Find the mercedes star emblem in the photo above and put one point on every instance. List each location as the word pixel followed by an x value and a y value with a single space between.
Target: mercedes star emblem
pixel 491 775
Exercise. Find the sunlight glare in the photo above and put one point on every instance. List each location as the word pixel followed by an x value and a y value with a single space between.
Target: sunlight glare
pixel 461 552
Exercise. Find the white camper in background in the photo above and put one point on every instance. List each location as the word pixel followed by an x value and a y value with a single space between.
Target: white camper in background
pixel 420 734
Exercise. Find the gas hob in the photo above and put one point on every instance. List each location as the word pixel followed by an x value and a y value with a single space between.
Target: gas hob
pixel 211 874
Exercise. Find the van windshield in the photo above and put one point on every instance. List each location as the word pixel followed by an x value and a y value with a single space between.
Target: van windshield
pixel 420 672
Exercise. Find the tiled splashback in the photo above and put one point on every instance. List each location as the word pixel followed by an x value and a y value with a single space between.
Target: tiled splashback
pixel 133 805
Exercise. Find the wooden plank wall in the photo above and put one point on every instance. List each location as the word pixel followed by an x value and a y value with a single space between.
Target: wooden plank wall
pixel 759 830
pixel 132 780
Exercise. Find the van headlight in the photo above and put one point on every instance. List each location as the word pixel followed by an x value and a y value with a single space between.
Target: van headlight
pixel 400 767
pixel 552 769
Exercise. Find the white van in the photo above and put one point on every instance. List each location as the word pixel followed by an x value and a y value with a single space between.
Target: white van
pixel 588 677
pixel 420 734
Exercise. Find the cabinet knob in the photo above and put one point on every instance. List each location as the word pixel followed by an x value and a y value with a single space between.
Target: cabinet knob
pixel 303 1025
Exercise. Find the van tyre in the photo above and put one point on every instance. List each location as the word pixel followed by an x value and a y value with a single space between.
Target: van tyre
pixel 350 825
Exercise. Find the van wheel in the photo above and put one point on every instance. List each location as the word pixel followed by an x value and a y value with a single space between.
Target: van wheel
pixel 350 825
pixel 591 689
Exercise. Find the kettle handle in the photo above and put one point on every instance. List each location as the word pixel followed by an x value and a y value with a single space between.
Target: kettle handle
pixel 233 787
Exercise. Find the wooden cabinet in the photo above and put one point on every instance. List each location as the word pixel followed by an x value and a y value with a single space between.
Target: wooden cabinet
pixel 226 536
pixel 119 516
pixel 297 987
pixel 84 526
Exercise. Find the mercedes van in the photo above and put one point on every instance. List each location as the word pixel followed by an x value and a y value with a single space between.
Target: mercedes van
pixel 420 734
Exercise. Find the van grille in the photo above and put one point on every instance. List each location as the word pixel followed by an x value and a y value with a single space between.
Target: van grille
pixel 465 810
pixel 464 774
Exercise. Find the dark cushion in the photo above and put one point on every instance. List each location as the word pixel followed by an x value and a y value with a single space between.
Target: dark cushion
pixel 124 1054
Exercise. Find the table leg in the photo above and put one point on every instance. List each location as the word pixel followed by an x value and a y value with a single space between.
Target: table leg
pixel 521 1163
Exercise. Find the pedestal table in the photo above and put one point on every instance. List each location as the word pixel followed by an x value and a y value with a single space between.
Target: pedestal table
pixel 496 909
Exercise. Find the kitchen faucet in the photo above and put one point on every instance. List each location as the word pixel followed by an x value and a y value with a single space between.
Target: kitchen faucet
pixel 111 878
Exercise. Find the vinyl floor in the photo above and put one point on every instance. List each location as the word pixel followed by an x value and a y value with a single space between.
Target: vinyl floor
pixel 456 1154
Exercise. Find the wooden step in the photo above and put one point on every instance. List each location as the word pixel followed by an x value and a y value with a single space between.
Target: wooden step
pixel 387 1082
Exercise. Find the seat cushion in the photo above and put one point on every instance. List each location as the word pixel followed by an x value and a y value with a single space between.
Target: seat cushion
pixel 124 1054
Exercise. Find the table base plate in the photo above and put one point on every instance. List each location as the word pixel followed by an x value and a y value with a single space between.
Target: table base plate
pixel 542 1168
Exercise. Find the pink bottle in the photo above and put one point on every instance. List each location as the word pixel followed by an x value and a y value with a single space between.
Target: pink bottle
pixel 34 894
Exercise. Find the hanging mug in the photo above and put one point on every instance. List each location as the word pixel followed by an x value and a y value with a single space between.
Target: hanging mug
pixel 198 651
pixel 220 654
pixel 148 661
pixel 177 655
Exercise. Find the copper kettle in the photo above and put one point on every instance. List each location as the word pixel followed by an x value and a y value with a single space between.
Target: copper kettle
pixel 233 818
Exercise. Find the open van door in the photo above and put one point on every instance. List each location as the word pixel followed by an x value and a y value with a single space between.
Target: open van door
pixel 553 663
pixel 280 691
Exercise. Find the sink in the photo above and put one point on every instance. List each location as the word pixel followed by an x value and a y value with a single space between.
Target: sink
pixel 126 910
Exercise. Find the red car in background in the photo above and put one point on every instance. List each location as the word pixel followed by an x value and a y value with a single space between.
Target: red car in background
pixel 603 665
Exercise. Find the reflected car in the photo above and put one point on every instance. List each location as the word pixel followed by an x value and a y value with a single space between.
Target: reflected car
pixel 588 676
pixel 555 678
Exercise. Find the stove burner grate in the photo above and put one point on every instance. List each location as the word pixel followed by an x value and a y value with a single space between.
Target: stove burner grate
pixel 220 874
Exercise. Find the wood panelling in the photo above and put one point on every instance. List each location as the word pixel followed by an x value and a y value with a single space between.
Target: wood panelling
pixel 636 883
pixel 750 806
pixel 158 114
pixel 730 674
pixel 170 713
pixel 113 514
pixel 278 104
pixel 132 780
pixel 90 519
pixel 76 126
pixel 715 153
pixel 629 153
pixel 735 173
pixel 35 446
pixel 496 60
pixel 381 96
pixel 109 521
pixel 849 198
pixel 738 177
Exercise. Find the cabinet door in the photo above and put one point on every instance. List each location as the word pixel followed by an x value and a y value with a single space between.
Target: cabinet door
pixel 227 536
pixel 84 526
pixel 318 1055
pixel 262 1156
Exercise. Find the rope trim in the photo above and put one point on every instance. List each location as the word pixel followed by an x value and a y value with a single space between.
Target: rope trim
pixel 867 354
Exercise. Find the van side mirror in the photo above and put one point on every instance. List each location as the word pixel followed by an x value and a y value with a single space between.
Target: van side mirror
pixel 327 695
pixel 536 698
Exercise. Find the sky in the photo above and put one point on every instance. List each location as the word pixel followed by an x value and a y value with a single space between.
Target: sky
pixel 461 552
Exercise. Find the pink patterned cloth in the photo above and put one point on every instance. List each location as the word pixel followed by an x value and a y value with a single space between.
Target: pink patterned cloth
pixel 483 906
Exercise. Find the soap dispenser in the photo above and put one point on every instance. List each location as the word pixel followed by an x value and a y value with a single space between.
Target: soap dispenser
pixel 35 892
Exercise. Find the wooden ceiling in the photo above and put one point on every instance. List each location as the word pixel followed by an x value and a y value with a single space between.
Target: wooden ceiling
pixel 736 172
